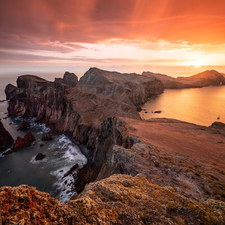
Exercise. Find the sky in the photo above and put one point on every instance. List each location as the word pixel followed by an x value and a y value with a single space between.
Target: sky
pixel 175 37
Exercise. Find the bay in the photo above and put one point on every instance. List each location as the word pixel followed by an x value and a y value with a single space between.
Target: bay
pixel 200 106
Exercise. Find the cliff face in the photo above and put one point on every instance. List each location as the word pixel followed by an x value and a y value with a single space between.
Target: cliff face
pixel 132 88
pixel 204 79
pixel 120 199
pixel 36 97
pixel 67 108
pixel 5 137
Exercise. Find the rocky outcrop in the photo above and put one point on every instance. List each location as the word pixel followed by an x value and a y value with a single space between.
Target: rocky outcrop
pixel 46 137
pixel 10 91
pixel 170 152
pixel 5 137
pixel 67 108
pixel 130 88
pixel 69 79
pixel 206 78
pixel 36 97
pixel 24 125
pixel 28 139
pixel 40 156
pixel 119 199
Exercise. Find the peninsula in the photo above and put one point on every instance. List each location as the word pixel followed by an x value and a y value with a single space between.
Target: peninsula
pixel 159 171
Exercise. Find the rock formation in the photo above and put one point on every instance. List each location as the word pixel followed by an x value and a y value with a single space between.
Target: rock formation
pixel 5 137
pixel 75 110
pixel 24 125
pixel 209 77
pixel 46 137
pixel 130 88
pixel 120 199
pixel 101 112
pixel 28 139
pixel 69 78
pixel 40 156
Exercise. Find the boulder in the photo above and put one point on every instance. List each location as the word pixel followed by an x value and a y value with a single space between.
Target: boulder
pixel 72 169
pixel 46 137
pixel 5 137
pixel 28 139
pixel 40 156
pixel 24 125
pixel 159 111
pixel 139 109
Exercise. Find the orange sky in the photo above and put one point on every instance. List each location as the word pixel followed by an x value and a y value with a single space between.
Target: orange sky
pixel 128 35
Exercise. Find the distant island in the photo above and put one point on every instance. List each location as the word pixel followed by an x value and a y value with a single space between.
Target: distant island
pixel 158 171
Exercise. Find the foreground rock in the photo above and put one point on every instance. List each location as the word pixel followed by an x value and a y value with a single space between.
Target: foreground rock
pixel 69 78
pixel 24 125
pixel 5 137
pixel 204 79
pixel 28 139
pixel 120 199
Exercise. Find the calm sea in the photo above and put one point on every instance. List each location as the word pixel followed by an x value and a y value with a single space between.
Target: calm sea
pixel 195 105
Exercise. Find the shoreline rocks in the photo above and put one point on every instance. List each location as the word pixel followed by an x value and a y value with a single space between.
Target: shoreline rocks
pixel 40 156
pixel 5 137
pixel 28 139
pixel 24 125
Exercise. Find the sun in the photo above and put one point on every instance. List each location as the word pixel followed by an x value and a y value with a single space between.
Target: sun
pixel 197 63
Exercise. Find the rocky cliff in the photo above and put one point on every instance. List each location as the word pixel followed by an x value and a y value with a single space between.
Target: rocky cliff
pixel 120 199
pixel 5 137
pixel 130 88
pixel 76 109
pixel 206 78
pixel 68 78
pixel 173 154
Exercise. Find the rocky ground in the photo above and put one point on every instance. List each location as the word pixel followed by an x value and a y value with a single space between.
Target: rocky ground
pixel 119 199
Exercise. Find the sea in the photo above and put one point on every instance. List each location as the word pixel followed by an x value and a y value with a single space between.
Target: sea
pixel 201 106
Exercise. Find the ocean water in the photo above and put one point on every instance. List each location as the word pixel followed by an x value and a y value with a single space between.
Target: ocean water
pixel 201 106
pixel 46 175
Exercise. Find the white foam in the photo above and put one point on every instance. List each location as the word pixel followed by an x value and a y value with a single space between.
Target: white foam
pixel 1 154
pixel 71 155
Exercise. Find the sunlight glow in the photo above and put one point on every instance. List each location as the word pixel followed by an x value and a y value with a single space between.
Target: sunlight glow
pixel 198 64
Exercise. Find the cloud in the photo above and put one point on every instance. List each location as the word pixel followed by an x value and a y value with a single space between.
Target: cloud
pixel 22 57
pixel 27 23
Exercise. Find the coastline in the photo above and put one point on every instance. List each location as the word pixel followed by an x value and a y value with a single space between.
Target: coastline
pixel 117 143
